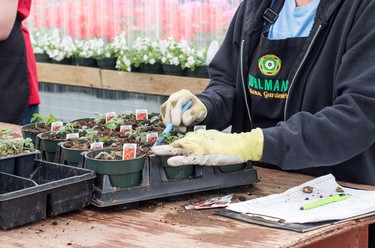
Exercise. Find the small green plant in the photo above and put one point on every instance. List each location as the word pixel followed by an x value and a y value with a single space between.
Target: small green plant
pixel 113 123
pixel 169 138
pixel 46 119
pixel 9 145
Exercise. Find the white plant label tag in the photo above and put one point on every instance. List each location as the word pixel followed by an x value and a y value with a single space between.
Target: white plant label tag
pixel 109 116
pixel 141 114
pixel 125 128
pixel 96 146
pixel 57 125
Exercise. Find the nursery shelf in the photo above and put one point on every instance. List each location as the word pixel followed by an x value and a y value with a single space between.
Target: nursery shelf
pixel 135 82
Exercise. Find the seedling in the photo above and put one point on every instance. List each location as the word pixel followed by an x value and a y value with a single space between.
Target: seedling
pixel 46 119
pixel 9 145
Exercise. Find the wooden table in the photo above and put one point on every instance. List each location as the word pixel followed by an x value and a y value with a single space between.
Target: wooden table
pixel 166 223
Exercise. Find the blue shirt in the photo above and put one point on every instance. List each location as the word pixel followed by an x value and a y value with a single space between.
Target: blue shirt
pixel 293 21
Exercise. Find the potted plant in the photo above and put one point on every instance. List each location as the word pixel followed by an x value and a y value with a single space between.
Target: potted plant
pixel 39 41
pixel 49 140
pixel 39 123
pixel 173 173
pixel 106 56
pixel 123 167
pixel 196 63
pixel 174 55
pixel 146 55
pixel 84 54
pixel 60 50
pixel 16 155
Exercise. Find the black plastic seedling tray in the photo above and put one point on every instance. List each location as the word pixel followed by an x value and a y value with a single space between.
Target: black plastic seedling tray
pixel 49 190
pixel 156 185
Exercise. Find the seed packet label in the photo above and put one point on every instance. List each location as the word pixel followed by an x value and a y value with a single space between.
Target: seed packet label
pixel 152 137
pixel 109 116
pixel 72 136
pixel 129 151
pixel 199 127
pixel 57 125
pixel 217 202
pixel 125 128
pixel 141 114
pixel 96 146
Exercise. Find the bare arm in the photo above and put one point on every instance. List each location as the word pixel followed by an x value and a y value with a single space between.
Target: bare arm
pixel 8 12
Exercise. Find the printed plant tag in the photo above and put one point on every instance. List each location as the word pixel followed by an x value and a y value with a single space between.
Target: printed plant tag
pixel 55 126
pixel 152 137
pixel 199 127
pixel 72 136
pixel 129 151
pixel 109 116
pixel 217 202
pixel 141 114
pixel 96 146
pixel 125 128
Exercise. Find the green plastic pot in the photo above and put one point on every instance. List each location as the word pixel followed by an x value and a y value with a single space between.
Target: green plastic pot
pixel 156 68
pixel 121 173
pixel 107 63
pixel 49 147
pixel 231 168
pixel 199 72
pixel 88 62
pixel 180 172
pixel 173 70
pixel 42 57
pixel 71 156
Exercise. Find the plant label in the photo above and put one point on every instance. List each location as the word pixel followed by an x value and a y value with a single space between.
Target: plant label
pixel 125 128
pixel 216 202
pixel 57 125
pixel 141 114
pixel 109 116
pixel 72 136
pixel 129 151
pixel 199 127
pixel 151 137
pixel 96 146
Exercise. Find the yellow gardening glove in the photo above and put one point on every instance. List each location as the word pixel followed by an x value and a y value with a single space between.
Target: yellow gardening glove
pixel 211 147
pixel 171 110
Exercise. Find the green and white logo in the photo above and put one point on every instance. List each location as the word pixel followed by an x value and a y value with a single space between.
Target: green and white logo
pixel 269 65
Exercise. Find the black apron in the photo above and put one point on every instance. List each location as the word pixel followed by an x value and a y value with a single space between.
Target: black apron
pixel 268 81
pixel 14 82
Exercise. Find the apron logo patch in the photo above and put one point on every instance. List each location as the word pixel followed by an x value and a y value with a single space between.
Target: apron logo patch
pixel 269 65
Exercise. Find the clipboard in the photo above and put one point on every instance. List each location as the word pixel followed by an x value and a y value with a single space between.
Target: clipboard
pixel 273 222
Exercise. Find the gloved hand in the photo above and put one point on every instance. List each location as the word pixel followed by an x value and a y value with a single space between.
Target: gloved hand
pixel 171 110
pixel 211 147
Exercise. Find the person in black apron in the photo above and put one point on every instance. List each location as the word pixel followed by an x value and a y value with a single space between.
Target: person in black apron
pixel 14 84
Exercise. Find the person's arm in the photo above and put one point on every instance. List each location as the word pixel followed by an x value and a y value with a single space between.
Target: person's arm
pixel 8 12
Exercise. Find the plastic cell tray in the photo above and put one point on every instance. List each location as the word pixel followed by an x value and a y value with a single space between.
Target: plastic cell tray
pixel 20 164
pixel 155 184
pixel 49 190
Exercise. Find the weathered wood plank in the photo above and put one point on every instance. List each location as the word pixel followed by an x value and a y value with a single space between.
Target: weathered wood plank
pixel 69 75
pixel 114 80
pixel 150 83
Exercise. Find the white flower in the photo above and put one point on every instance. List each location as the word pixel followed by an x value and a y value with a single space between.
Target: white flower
pixel 59 49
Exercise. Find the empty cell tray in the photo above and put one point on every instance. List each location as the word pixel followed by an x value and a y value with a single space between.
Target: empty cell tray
pixel 49 190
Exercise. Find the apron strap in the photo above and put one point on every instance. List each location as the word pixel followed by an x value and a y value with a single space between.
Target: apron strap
pixel 272 13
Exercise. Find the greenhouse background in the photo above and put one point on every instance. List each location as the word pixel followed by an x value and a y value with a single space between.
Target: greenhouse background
pixel 197 21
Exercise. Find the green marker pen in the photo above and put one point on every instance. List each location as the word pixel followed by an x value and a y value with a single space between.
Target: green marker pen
pixel 330 199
